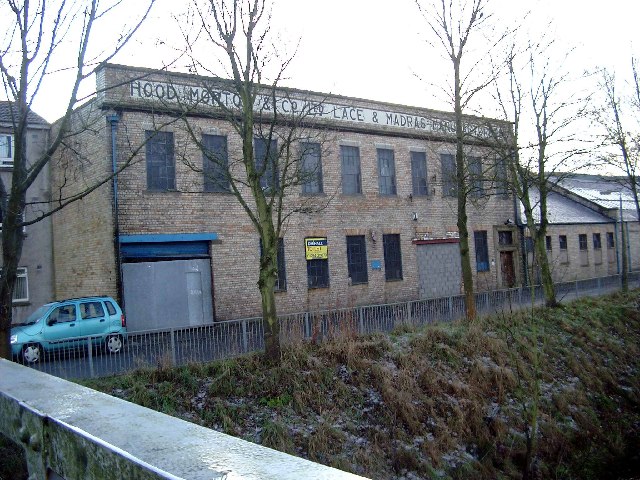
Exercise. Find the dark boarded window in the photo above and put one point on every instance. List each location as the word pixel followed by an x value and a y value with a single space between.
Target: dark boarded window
pixel 386 172
pixel 419 173
pixel 318 273
pixel 357 259
pixel 311 168
pixel 281 281
pixel 502 178
pixel 597 241
pixel 582 241
pixel 161 170
pixel 482 251
pixel 351 176
pixel 215 163
pixel 449 182
pixel 475 172
pixel 562 241
pixel 505 237
pixel 266 158
pixel 392 257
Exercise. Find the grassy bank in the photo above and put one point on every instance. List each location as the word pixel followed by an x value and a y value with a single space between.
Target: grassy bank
pixel 554 393
pixel 537 394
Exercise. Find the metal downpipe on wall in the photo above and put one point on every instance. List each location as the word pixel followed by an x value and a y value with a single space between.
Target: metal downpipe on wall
pixel 113 120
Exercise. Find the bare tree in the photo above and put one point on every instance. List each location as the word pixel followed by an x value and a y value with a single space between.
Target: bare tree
pixel 534 96
pixel 455 25
pixel 280 154
pixel 33 50
pixel 619 118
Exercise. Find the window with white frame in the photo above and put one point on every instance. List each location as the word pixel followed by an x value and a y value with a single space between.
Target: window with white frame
pixel 6 150
pixel 24 227
pixel 21 289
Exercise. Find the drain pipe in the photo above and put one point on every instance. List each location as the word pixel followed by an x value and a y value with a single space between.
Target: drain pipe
pixel 113 119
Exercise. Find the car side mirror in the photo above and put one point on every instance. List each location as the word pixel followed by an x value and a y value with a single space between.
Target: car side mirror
pixel 51 321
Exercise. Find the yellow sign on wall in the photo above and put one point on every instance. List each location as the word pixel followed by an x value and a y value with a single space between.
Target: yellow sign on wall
pixel 316 248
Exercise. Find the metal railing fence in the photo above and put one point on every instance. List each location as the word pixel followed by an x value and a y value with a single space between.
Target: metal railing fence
pixel 227 339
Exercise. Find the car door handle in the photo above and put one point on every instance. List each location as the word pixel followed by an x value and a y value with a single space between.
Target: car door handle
pixel 72 325
pixel 102 319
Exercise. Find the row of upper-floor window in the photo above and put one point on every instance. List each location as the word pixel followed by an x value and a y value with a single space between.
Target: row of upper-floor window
pixel 357 264
pixel 583 241
pixel 505 238
pixel 160 161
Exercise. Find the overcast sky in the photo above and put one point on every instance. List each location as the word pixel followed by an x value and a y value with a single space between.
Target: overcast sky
pixel 375 49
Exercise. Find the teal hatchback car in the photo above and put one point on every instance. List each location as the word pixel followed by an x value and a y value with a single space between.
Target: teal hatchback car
pixel 68 324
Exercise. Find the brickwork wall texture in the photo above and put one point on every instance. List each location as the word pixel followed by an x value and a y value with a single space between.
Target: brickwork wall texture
pixel 632 230
pixel 83 232
pixel 235 256
pixel 570 266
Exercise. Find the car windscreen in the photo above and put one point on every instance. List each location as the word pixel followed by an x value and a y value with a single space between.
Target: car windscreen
pixel 34 316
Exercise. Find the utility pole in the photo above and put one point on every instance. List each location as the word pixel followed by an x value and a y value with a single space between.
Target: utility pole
pixel 624 277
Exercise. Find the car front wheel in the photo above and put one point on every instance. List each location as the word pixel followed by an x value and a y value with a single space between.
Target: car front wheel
pixel 114 343
pixel 32 353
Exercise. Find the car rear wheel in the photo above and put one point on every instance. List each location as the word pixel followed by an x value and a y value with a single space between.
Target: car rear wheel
pixel 114 343
pixel 31 353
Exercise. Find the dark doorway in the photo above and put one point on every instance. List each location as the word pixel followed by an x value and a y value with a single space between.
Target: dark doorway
pixel 507 269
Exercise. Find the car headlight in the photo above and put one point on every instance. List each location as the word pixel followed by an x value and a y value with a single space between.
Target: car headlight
pixel 14 339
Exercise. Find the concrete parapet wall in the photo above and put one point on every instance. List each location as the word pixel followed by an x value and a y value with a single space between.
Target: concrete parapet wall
pixel 78 433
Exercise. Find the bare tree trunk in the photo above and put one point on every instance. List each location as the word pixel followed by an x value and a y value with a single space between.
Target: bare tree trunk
pixel 539 233
pixel 463 230
pixel 270 321
pixel 545 270
pixel 267 282
pixel 12 238
pixel 465 262
pixel 12 241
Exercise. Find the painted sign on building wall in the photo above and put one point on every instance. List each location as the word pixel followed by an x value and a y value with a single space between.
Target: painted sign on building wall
pixel 316 248
pixel 192 96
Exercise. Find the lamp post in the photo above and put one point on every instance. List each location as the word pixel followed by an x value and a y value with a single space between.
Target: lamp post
pixel 624 273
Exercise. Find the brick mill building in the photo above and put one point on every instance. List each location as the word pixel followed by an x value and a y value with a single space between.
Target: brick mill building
pixel 178 250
